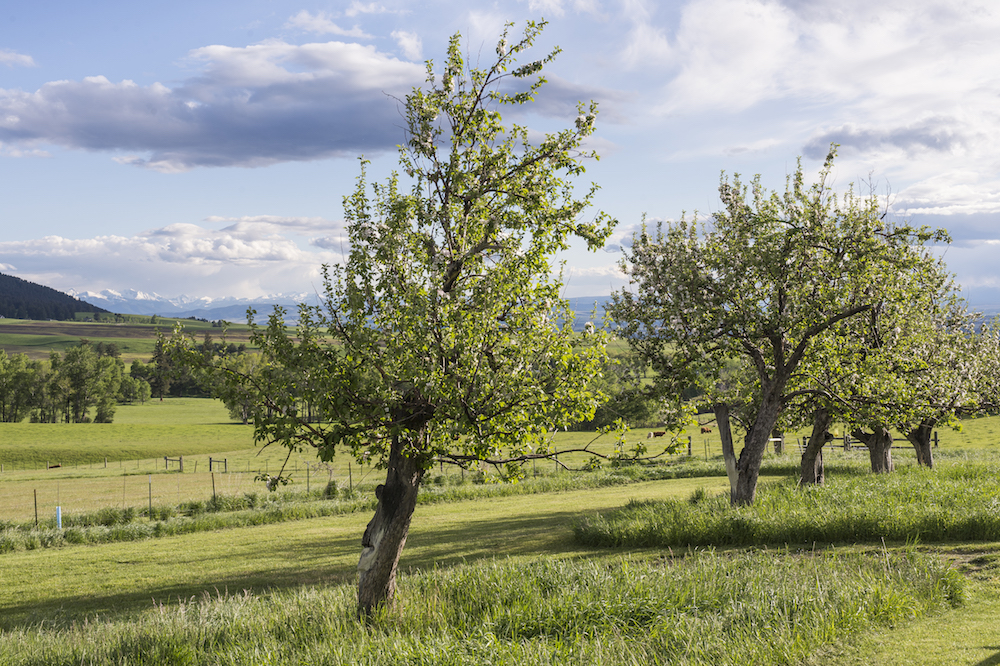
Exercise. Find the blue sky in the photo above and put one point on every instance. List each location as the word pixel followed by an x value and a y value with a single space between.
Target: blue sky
pixel 203 148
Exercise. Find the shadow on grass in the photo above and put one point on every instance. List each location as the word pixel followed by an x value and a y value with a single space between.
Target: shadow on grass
pixel 322 559
pixel 990 661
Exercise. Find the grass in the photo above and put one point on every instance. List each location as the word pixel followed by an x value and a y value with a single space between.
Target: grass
pixel 957 502
pixel 122 577
pixel 276 586
pixel 134 340
pixel 753 608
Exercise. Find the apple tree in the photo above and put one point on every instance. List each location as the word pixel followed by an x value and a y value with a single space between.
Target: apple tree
pixel 768 275
pixel 439 336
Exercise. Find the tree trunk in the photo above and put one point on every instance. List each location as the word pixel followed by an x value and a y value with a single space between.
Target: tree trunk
pixel 812 457
pixel 728 452
pixel 755 444
pixel 920 437
pixel 386 534
pixel 879 445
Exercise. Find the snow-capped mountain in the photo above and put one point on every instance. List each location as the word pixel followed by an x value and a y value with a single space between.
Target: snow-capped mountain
pixel 132 301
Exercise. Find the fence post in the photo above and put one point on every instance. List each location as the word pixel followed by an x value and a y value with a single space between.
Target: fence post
pixel 213 485
pixel 181 459
pixel 689 445
pixel 36 508
pixel 935 439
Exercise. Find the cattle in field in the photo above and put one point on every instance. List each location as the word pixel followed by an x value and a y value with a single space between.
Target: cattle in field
pixel 657 433
pixel 705 430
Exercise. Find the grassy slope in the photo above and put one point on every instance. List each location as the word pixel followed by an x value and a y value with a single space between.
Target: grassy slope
pixel 123 577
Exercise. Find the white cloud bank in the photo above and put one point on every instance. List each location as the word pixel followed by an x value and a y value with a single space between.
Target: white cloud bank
pixel 250 257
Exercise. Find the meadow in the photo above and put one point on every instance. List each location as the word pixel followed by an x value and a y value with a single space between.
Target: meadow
pixel 492 572
pixel 135 338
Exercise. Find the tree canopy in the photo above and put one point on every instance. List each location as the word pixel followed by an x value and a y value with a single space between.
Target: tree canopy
pixel 437 340
pixel 763 281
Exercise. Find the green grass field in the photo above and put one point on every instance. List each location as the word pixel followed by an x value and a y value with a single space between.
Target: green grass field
pixel 37 339
pixel 170 599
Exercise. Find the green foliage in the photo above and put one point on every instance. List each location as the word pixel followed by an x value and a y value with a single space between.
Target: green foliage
pixel 437 336
pixel 83 385
pixel 770 275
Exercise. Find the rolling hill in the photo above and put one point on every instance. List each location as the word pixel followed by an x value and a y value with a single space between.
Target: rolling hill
pixel 20 299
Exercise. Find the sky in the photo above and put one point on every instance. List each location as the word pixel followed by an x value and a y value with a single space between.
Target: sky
pixel 204 148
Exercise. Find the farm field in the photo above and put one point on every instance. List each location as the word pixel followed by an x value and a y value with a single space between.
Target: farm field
pixel 134 340
pixel 65 602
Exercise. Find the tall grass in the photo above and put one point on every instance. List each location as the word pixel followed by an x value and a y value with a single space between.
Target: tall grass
pixel 959 501
pixel 703 609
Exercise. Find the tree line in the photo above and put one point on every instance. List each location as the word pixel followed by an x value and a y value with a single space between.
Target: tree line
pixel 84 385
pixel 89 381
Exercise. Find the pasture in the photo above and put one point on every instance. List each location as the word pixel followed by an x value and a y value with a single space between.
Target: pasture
pixel 254 577
pixel 135 340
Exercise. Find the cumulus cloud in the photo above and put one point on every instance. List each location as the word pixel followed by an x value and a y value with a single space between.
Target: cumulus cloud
pixel 322 23
pixel 733 54
pixel 409 43
pixel 250 106
pixel 593 280
pixel 12 58
pixel 249 258
pixel 356 8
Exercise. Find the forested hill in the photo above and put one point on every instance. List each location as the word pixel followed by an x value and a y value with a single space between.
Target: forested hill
pixel 20 299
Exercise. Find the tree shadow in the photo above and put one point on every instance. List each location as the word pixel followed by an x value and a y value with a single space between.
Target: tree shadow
pixel 993 660
pixel 325 559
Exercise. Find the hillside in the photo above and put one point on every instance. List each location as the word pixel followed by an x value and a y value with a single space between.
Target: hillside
pixel 20 299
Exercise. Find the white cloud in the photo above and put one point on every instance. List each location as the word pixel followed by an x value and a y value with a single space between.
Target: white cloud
pixel 409 44
pixel 322 23
pixel 12 58
pixel 646 45
pixel 593 280
pixel 362 8
pixel 250 106
pixel 732 54
pixel 246 259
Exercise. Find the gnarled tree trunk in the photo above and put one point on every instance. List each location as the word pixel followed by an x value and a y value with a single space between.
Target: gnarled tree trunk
pixel 728 452
pixel 812 458
pixel 879 445
pixel 748 466
pixel 920 437
pixel 386 534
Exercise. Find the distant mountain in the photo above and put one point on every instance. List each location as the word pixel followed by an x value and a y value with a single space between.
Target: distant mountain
pixel 20 299
pixel 131 301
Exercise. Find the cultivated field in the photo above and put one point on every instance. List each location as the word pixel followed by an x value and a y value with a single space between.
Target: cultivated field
pixel 134 340
pixel 493 573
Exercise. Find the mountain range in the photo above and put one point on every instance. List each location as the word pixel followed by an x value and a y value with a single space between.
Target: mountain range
pixel 131 301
